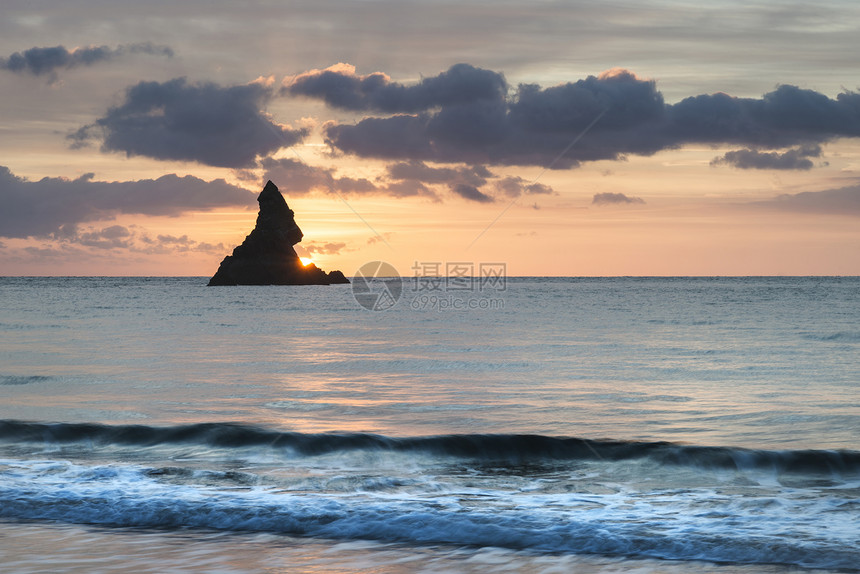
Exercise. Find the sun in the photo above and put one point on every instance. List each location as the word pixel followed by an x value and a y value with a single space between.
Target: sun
pixel 306 261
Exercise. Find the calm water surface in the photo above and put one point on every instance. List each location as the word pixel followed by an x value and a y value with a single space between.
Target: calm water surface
pixel 600 425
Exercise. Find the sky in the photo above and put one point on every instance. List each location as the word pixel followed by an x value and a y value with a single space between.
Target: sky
pixel 560 138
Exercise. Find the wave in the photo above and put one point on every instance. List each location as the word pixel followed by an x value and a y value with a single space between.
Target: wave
pixel 115 495
pixel 509 448
pixel 844 336
pixel 840 336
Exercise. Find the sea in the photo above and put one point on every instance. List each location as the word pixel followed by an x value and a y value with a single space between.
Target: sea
pixel 540 425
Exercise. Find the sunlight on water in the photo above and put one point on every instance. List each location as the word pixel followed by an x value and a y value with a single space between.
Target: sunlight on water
pixel 721 361
pixel 463 470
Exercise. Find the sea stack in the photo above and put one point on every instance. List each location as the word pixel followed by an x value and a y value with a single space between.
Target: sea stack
pixel 267 257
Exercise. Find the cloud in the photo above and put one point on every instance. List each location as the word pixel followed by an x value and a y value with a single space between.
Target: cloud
pixel 113 237
pixel 409 188
pixel 295 177
pixel 76 240
pixel 476 175
pixel 785 117
pixel 614 199
pixel 340 87
pixel 842 201
pixel 54 206
pixel 298 178
pixel 401 179
pixel 325 248
pixel 404 179
pixel 380 238
pixel 752 159
pixel 515 186
pixel 396 137
pixel 202 122
pixel 46 61
pixel 309 249
pixel 172 244
pixel 531 128
pixel 465 181
pixel 621 113
pixel 471 192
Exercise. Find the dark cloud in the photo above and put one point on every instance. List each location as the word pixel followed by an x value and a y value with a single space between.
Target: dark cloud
pixel 297 178
pixel 46 61
pixel 206 123
pixel 842 201
pixel 569 108
pixel 471 192
pixel 614 199
pixel 55 206
pixel 402 179
pixel 340 87
pixel 476 175
pixel 397 137
pixel 797 158
pixel 533 126
pixel 782 118
pixel 463 181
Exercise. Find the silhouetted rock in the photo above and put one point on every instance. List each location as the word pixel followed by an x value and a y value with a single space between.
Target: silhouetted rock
pixel 267 257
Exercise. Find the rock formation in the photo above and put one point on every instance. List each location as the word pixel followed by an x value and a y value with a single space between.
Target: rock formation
pixel 267 257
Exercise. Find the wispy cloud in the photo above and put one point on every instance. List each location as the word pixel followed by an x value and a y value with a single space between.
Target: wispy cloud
pixel 797 158
pixel 842 201
pixel 298 178
pixel 53 206
pixel 418 170
pixel 330 248
pixel 615 199
pixel 111 237
pixel 515 186
pixel 47 61
pixel 462 181
pixel 75 240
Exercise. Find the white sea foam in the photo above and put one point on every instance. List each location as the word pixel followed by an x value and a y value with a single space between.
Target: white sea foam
pixel 741 517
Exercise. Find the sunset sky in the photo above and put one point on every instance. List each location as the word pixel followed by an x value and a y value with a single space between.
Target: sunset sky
pixel 561 138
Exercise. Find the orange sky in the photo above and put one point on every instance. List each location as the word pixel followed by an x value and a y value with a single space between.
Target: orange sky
pixel 680 215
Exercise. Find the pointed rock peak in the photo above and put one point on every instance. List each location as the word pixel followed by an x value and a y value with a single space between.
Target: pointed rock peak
pixel 270 193
pixel 267 257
